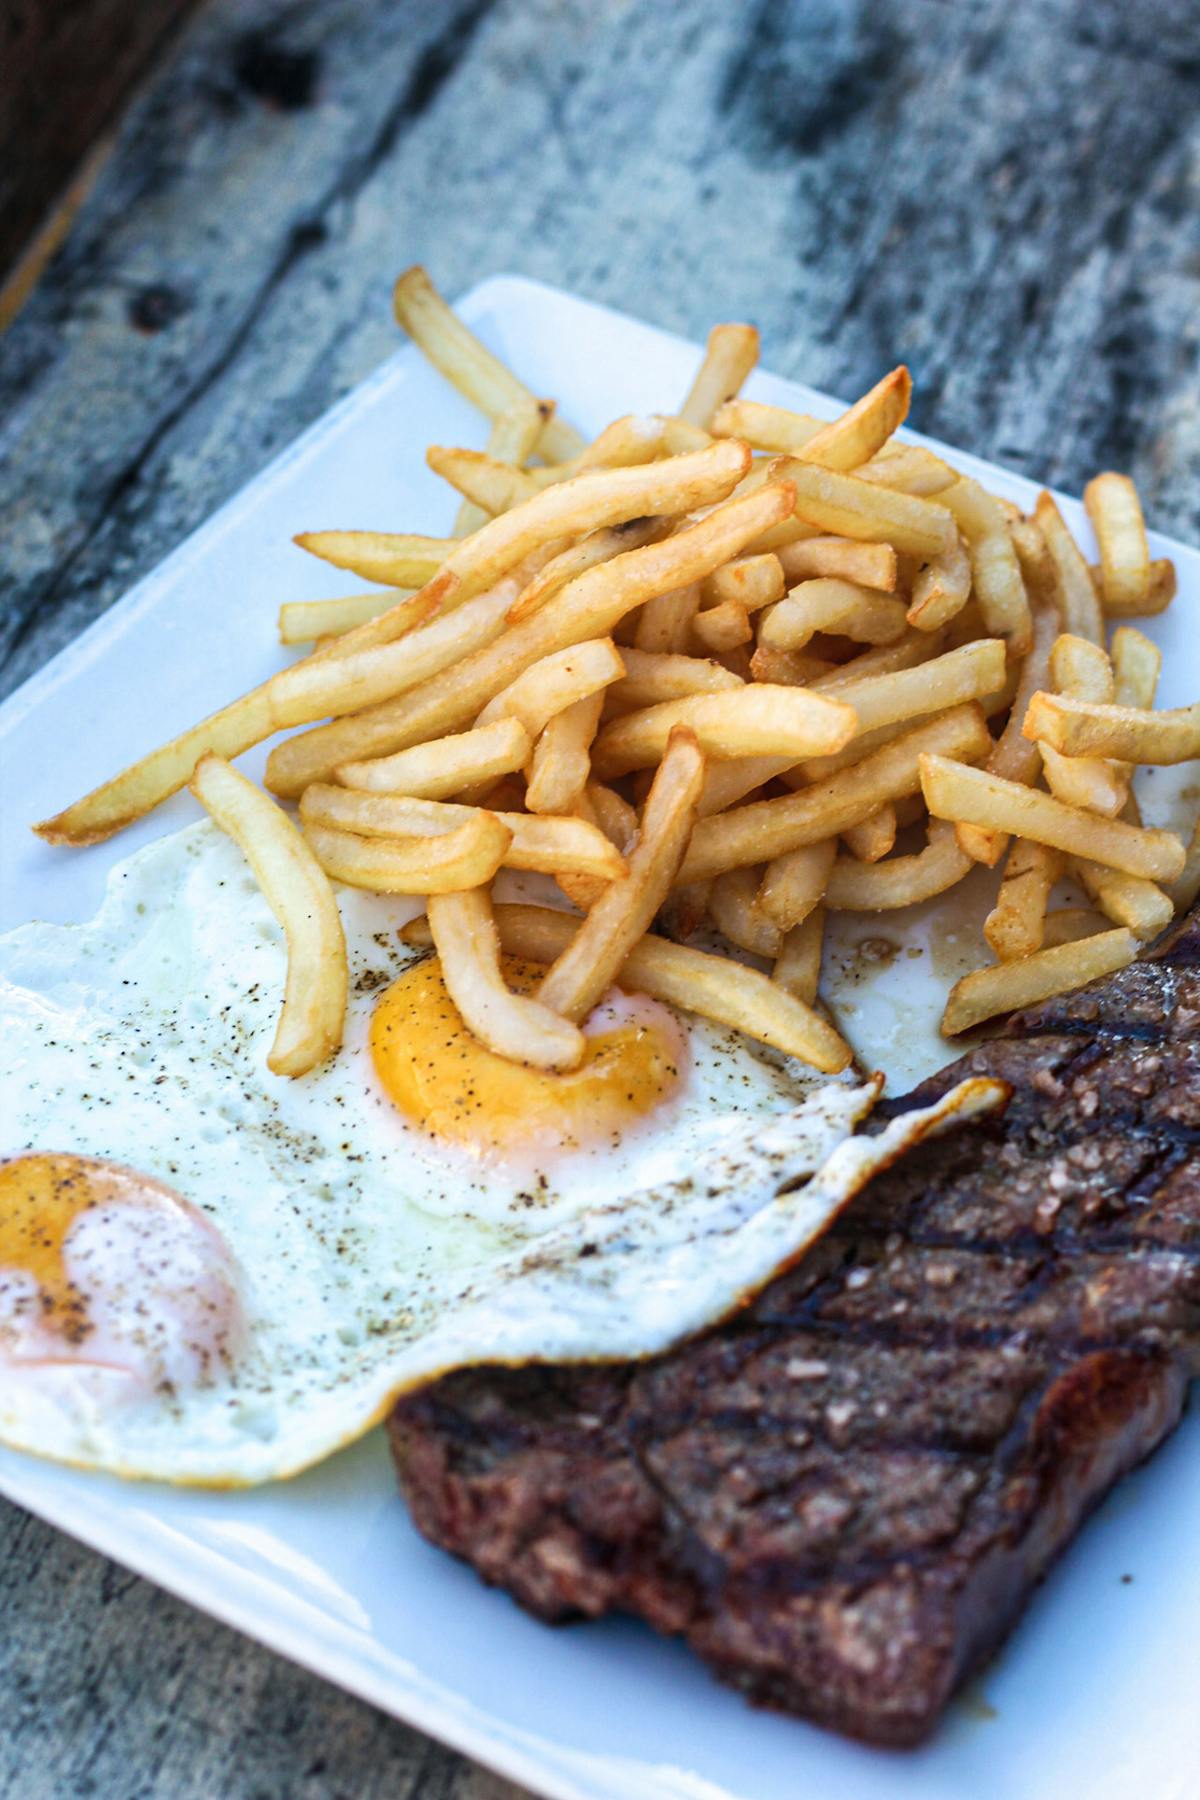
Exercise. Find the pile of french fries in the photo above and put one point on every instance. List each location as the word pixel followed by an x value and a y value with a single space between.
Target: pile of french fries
pixel 706 671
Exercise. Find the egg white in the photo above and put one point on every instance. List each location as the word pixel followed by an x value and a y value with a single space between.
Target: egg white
pixel 368 1257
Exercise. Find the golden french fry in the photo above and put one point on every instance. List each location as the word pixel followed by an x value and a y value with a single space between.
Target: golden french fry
pixel 490 486
pixel 598 547
pixel 1067 924
pixel 561 761
pixel 733 908
pixel 998 583
pixel 397 558
pixel 478 375
pixel 1116 513
pixel 855 886
pixel 555 682
pixel 750 582
pixel 794 884
pixel 651 676
pixel 297 890
pixel 848 507
pixel 723 627
pixel 1127 900
pixel 1085 728
pixel 1015 924
pixel 726 992
pixel 664 625
pixel 304 621
pixel 731 354
pixel 971 672
pixel 873 837
pixel 769 828
pixel 1035 978
pixel 913 648
pixel 623 913
pixel 869 565
pixel 827 604
pixel 441 769
pixel 1078 603
pixel 541 844
pixel 1186 885
pixel 464 935
pixel 513 439
pixel 788 668
pixel 766 427
pixel 909 469
pixel 954 791
pixel 941 589
pixel 591 604
pixel 442 863
pixel 1083 669
pixel 612 813
pixel 1013 756
pixel 1033 554
pixel 1158 596
pixel 753 720
pixel 864 429
pixel 798 966
pixel 1136 666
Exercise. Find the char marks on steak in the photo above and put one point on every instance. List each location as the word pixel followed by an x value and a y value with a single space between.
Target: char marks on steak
pixel 843 1497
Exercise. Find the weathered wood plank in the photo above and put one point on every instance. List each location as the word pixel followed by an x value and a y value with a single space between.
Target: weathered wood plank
pixel 1005 192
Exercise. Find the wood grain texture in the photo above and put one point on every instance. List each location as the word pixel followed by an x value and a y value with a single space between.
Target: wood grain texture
pixel 1006 193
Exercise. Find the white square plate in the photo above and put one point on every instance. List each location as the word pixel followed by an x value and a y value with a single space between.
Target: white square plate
pixel 1096 1694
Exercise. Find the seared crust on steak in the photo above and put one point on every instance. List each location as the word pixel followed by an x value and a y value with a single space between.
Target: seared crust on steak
pixel 843 1497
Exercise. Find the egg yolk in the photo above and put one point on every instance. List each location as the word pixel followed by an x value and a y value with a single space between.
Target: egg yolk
pixel 442 1077
pixel 105 1267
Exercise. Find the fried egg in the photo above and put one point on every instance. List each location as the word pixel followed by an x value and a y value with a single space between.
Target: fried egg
pixel 212 1274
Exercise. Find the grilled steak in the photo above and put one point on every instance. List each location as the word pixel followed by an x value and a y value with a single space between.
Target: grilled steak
pixel 843 1496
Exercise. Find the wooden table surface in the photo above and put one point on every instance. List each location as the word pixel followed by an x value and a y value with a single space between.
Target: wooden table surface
pixel 1005 193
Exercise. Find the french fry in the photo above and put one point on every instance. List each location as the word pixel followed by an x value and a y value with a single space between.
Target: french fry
pixel 555 682
pixel 464 935
pixel 971 672
pixel 1136 666
pixel 913 648
pixel 750 582
pixel 1186 885
pixel 827 604
pixel 855 886
pixel 478 375
pixel 441 769
pixel 651 676
pixel 872 838
pixel 304 621
pixel 731 354
pixel 1157 598
pixel 664 624
pixel 598 547
pixel 623 913
pixel 561 757
pixel 1034 978
pixel 861 431
pixel 513 439
pixel 1067 924
pixel 297 890
pixel 766 427
pixel 869 565
pixel 1116 513
pixel 1013 756
pixel 612 813
pixel 1078 604
pixel 974 796
pixel 1129 733
pixel 798 966
pixel 848 507
pixel 941 589
pixel 788 668
pixel 1015 924
pixel 544 845
pixel 909 469
pixel 1033 554
pixel 723 627
pixel 490 486
pixel 1083 669
pixel 726 992
pixel 996 573
pixel 466 857
pixel 753 720
pixel 733 908
pixel 769 828
pixel 794 884
pixel 623 444
pixel 1126 899
pixel 591 604
pixel 396 558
